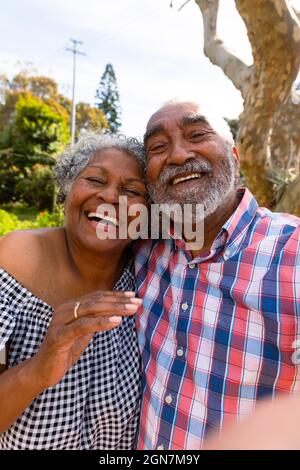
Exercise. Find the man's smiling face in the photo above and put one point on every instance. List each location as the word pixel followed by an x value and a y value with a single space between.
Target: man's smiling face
pixel 188 161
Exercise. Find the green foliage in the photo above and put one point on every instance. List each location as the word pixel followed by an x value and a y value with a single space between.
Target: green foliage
pixel 234 126
pixel 37 189
pixel 88 117
pixel 38 128
pixel 30 143
pixel 44 87
pixel 34 129
pixel 9 175
pixel 10 221
pixel 108 100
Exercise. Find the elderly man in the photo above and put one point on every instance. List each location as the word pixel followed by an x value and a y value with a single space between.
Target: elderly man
pixel 218 326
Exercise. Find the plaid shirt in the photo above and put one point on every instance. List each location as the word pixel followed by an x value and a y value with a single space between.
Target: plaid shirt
pixel 216 333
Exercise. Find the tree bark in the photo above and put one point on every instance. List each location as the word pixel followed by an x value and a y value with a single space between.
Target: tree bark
pixel 214 48
pixel 274 34
pixel 290 201
pixel 285 145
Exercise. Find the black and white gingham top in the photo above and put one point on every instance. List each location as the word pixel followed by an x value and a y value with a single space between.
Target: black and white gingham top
pixel 96 404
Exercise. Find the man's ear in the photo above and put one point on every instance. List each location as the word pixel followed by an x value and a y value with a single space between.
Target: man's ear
pixel 236 154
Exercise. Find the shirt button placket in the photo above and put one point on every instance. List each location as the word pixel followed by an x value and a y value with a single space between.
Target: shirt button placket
pixel 169 399
pixel 180 352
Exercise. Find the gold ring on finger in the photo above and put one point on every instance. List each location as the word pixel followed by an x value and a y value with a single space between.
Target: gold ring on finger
pixel 76 310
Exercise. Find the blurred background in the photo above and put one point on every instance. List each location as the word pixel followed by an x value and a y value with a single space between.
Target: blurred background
pixel 106 65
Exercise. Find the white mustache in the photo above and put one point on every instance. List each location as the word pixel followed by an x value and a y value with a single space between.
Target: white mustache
pixel 194 166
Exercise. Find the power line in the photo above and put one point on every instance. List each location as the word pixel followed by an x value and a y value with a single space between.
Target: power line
pixel 73 118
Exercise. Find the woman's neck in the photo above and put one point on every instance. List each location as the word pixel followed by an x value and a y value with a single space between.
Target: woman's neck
pixel 96 270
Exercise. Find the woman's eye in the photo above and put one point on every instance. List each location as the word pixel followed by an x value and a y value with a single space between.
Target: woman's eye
pixel 132 191
pixel 95 180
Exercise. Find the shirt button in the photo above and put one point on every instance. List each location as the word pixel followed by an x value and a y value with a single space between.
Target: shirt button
pixel 184 306
pixel 161 447
pixel 227 253
pixel 180 352
pixel 192 265
pixel 168 399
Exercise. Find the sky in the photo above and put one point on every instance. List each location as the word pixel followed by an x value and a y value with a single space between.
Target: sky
pixel 156 51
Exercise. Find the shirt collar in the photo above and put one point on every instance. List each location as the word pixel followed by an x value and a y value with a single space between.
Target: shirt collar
pixel 234 229
pixel 237 224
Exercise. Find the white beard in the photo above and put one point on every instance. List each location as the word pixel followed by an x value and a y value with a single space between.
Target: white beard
pixel 218 189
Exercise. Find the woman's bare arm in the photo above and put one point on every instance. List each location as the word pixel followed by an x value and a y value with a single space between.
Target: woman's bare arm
pixel 19 386
pixel 64 342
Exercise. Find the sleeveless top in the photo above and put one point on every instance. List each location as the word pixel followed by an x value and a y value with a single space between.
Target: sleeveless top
pixel 96 404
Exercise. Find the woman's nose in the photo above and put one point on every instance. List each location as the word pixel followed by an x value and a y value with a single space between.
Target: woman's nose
pixel 109 194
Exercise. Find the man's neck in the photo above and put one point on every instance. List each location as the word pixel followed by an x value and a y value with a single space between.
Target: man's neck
pixel 214 223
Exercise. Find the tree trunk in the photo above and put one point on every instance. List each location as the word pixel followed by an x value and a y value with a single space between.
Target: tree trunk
pixel 290 201
pixel 285 144
pixel 274 34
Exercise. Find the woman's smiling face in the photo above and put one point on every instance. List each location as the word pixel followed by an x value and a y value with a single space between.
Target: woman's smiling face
pixel 110 173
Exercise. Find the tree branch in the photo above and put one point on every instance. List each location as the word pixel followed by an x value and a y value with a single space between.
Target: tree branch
pixel 233 67
pixel 183 5
pixel 279 51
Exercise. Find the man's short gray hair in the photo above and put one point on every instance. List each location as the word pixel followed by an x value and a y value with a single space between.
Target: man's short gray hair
pixel 76 157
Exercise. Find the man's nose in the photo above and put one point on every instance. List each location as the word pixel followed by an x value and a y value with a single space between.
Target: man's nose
pixel 179 153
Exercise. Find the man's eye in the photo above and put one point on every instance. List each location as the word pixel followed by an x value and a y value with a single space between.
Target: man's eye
pixel 197 135
pixel 157 148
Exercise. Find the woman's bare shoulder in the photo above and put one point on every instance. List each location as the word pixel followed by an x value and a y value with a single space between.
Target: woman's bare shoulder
pixel 23 251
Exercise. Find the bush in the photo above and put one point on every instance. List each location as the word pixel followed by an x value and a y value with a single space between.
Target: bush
pixel 10 222
pixel 38 189
pixel 8 179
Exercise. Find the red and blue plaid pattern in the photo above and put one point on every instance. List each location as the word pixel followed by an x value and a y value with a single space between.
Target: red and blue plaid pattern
pixel 216 333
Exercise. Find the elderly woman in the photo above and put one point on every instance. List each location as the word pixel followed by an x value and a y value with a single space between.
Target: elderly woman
pixel 66 310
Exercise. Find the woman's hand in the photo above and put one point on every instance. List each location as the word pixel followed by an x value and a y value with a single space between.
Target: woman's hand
pixel 68 336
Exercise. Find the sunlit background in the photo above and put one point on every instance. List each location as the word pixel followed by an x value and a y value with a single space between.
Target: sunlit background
pixel 156 50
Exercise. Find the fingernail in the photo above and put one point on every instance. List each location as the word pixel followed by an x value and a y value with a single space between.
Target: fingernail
pixel 129 294
pixel 136 301
pixel 131 307
pixel 114 319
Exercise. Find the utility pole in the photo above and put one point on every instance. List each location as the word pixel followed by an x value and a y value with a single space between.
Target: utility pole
pixel 73 118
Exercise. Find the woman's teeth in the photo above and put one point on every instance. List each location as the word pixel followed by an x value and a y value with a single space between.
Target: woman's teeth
pixel 102 219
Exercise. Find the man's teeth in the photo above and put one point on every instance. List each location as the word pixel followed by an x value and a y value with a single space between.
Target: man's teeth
pixel 103 218
pixel 186 178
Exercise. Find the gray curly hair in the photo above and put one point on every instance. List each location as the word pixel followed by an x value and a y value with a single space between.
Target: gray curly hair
pixel 76 157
